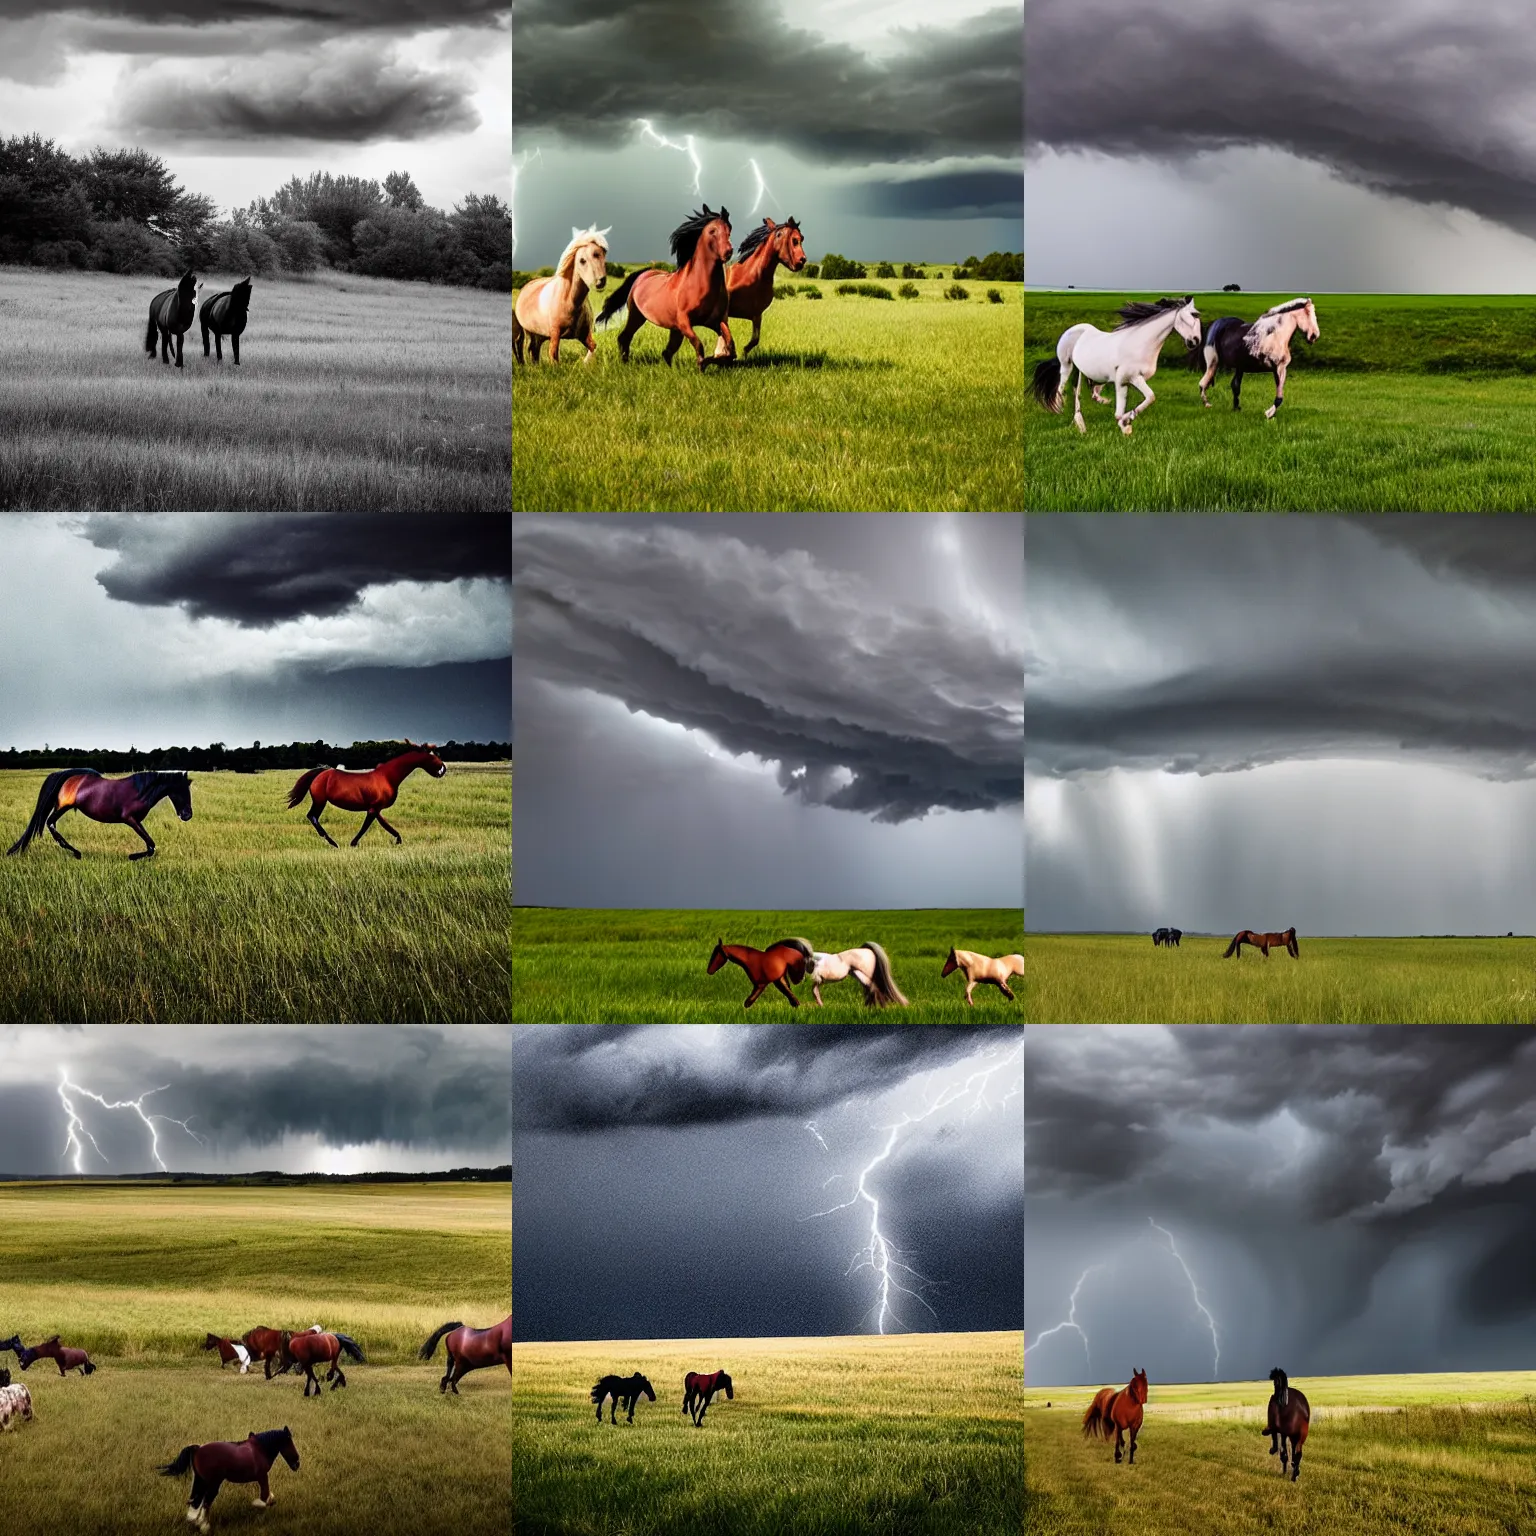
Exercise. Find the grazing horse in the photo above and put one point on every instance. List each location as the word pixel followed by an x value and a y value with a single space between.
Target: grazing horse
pixel 15 1402
pixel 1263 942
pixel 124 800
pixel 693 295
pixel 551 307
pixel 372 792
pixel 749 279
pixel 867 964
pixel 1167 936
pixel 982 970
pixel 1120 1411
pixel 624 1390
pixel 470 1349
pixel 224 315
pixel 766 967
pixel 1127 355
pixel 1263 347
pixel 312 1349
pixel 228 1350
pixel 171 315
pixel 62 1355
pixel 1287 1420
pixel 231 1461
pixel 698 1391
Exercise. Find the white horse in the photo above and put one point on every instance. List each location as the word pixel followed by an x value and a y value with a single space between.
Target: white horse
pixel 551 307
pixel 1263 347
pixel 15 1404
pixel 983 970
pixel 1124 356
pixel 867 964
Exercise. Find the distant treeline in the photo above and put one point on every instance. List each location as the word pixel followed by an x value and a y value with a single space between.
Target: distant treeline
pixel 995 266
pixel 251 759
pixel 121 210
pixel 500 1175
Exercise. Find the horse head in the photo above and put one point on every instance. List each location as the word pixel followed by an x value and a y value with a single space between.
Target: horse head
pixel 187 286
pixel 722 1380
pixel 1138 1385
pixel 1187 323
pixel 789 244
pixel 212 1341
pixel 950 964
pixel 179 792
pixel 288 1450
pixel 717 236
pixel 1307 324
pixel 642 1385
pixel 588 253
pixel 719 957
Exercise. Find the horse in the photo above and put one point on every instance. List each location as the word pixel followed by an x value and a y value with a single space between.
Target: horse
pixel 62 1355
pixel 1287 1420
pixel 624 1390
pixel 1263 347
pixel 471 1349
pixel 231 1461
pixel 868 964
pixel 225 315
pixel 1127 355
pixel 229 1351
pixel 982 970
pixel 266 1345
pixel 695 294
pixel 373 792
pixel 699 1391
pixel 15 1402
pixel 551 307
pixel 13 1344
pixel 126 800
pixel 171 315
pixel 766 967
pixel 749 279
pixel 1263 942
pixel 1118 1410
pixel 312 1349
pixel 1167 936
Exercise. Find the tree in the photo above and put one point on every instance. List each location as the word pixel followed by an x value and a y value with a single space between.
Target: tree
pixel 885 269
pixel 834 267
pixel 301 242
pixel 402 192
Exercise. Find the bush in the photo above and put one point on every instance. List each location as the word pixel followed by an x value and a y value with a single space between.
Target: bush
pixel 301 243
pixel 908 270
pixel 243 248
pixel 866 290
pixel 835 266
pixel 993 296
pixel 908 291
pixel 617 269
pixel 999 266
pixel 1231 288
pixel 123 246
pixel 61 253
pixel 783 290
pixel 813 270
pixel 885 269
pixel 955 291
pixel 810 291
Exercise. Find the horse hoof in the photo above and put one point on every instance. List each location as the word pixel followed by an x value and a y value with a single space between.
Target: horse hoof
pixel 1269 415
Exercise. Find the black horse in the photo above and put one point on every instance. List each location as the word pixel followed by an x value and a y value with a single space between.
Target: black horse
pixel 1287 1421
pixel 1168 936
pixel 224 315
pixel 13 1344
pixel 625 1390
pixel 1263 347
pixel 170 315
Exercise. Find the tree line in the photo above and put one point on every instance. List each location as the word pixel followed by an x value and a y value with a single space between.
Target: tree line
pixel 251 759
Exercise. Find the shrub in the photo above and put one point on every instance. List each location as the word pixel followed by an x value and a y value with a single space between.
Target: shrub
pixel 955 291
pixel 301 242
pixel 993 296
pixel 1231 288
pixel 834 266
pixel 866 290
pixel 885 269
pixel 999 266
pixel 813 269
pixel 120 245
pixel 60 253
pixel 810 291
pixel 908 270
pixel 783 290
pixel 246 249
pixel 545 272
pixel 908 291
pixel 617 269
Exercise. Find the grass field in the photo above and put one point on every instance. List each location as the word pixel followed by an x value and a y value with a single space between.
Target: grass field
pixel 917 1435
pixel 244 915
pixel 587 966
pixel 1122 979
pixel 137 1274
pixel 848 404
pixel 1453 1455
pixel 352 394
pixel 1404 403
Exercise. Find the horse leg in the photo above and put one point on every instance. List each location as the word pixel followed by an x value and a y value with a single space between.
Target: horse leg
pixel 58 836
pixel 1146 389
pixel 1119 1442
pixel 1123 418
pixel 757 326
pixel 339 1374
pixel 757 992
pixel 234 346
pixel 388 828
pixel 970 986
pixel 517 338
pixel 816 993
pixel 264 1498
pixel 1295 1459
pixel 1237 388
pixel 1077 402
pixel 537 343
pixel 1209 375
pixel 218 346
pixel 179 335
pixel 1135 1430
pixel 632 323
pixel 674 341
pixel 1269 415
pixel 368 821
pixel 1002 987
pixel 315 808
pixel 148 851
pixel 783 986
pixel 205 338
pixel 554 343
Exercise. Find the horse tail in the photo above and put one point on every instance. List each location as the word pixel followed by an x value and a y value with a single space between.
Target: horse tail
pixel 598 1392
pixel 47 801
pixel 352 1347
pixel 798 968
pixel 1047 384
pixel 885 982
pixel 1231 948
pixel 619 297
pixel 430 1347
pixel 302 787
pixel 183 1463
pixel 87 1368
pixel 1093 1420
pixel 149 335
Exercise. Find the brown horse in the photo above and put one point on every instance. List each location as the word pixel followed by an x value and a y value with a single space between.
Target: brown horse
pixel 749 279
pixel 1287 1421
pixel 229 1351
pixel 693 295
pixel 1264 942
pixel 266 1345
pixel 312 1349
pixel 471 1349
pixel 372 792
pixel 231 1461
pixel 62 1355
pixel 551 307
pixel 766 967
pixel 1118 1410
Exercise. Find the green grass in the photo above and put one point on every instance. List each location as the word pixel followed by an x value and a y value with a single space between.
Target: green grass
pixel 1121 978
pixel 1405 402
pixel 352 394
pixel 244 915
pixel 588 966
pixel 846 405
pixel 916 1435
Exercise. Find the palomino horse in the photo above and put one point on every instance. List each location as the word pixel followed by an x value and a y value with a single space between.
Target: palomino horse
pixel 749 279
pixel 1127 355
pixel 62 1355
pixel 231 1461
pixel 229 1351
pixel 124 800
pixel 699 1391
pixel 1287 1421
pixel 693 295
pixel 373 792
pixel 982 970
pixel 312 1349
pixel 1263 942
pixel 1263 347
pixel 170 317
pixel 551 307
pixel 1120 1411
pixel 623 1390
pixel 766 967
pixel 868 964
pixel 470 1349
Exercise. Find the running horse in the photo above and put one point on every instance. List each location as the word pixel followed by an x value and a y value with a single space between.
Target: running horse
pixel 551 307
pixel 982 970
pixel 766 967
pixel 266 1345
pixel 171 315
pixel 62 1355
pixel 312 1349
pixel 1263 942
pixel 699 1391
pixel 749 279
pixel 868 965
pixel 373 792
pixel 471 1349
pixel 624 1390
pixel 225 315
pixel 1263 347
pixel 1120 1411
pixel 229 1351
pixel 231 1461
pixel 121 800
pixel 1287 1420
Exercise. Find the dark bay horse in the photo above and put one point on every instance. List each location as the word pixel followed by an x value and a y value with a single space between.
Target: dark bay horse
pixel 229 1351
pixel 1287 1421
pixel 749 280
pixel 1263 347
pixel 266 1345
pixel 471 1349
pixel 123 800
pixel 1263 942
pixel 698 1391
pixel 224 315
pixel 1167 936
pixel 372 792
pixel 1120 1411
pixel 170 316
pixel 766 967
pixel 312 1349
pixel 625 1390
pixel 230 1461
pixel 62 1355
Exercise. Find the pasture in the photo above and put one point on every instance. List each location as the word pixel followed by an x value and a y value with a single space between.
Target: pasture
pixel 848 404
pixel 593 966
pixel 915 1435
pixel 352 394
pixel 246 916
pixel 1406 402
pixel 138 1273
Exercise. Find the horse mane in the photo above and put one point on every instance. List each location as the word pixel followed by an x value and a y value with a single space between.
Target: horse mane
pixel 1280 309
pixel 753 240
pixel 1139 311
pixel 270 1440
pixel 684 240
pixel 579 238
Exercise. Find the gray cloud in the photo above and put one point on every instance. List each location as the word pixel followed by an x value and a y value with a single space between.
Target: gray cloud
pixel 343 16
pixel 968 194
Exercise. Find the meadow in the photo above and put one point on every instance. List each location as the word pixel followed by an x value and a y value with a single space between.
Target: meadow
pixel 353 394
pixel 137 1274
pixel 1406 402
pixel 916 1435
pixel 1122 979
pixel 245 916
pixel 592 966
pixel 848 404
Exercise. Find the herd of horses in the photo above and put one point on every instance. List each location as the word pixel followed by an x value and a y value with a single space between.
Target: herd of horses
pixel 221 314
pixel 625 1391
pixel 1263 942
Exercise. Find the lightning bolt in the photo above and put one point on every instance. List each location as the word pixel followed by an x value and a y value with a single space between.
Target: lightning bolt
pixel 762 187
pixel 1173 1248
pixel 76 1127
pixel 817 1134
pixel 685 148
pixel 519 163
pixel 1071 1320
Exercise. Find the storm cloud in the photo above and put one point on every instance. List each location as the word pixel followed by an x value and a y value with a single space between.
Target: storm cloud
pixel 992 194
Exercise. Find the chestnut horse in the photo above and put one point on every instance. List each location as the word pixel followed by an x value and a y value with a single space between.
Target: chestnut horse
pixel 1264 942
pixel 699 1392
pixel 749 280
pixel 312 1349
pixel 984 971
pixel 1120 1411
pixel 1287 1421
pixel 551 307
pixel 229 1351
pixel 266 1345
pixel 766 967
pixel 122 800
pixel 62 1355
pixel 471 1349
pixel 373 792
pixel 230 1461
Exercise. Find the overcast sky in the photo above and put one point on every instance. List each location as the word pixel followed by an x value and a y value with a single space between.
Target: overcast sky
pixel 1274 721
pixel 769 711
pixel 889 130
pixel 188 628
pixel 1301 145
pixel 306 1099
pixel 669 1179
pixel 239 95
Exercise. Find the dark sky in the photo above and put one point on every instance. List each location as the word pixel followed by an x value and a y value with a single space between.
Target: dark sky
pixel 668 1178
pixel 1346 1200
